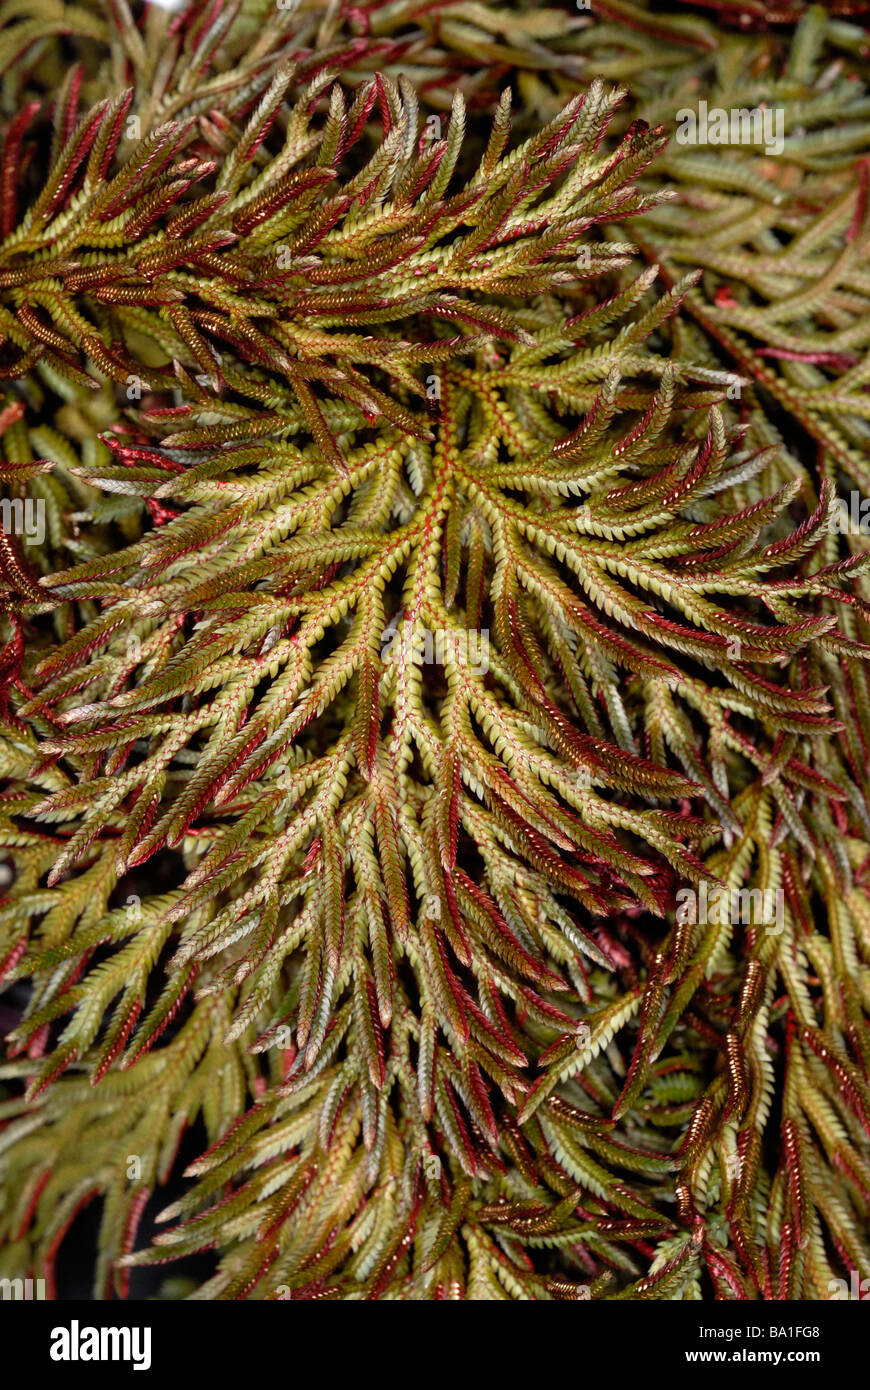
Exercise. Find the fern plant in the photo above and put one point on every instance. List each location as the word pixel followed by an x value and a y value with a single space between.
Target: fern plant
pixel 417 618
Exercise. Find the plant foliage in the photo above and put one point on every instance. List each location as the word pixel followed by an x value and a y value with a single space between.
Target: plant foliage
pixel 418 614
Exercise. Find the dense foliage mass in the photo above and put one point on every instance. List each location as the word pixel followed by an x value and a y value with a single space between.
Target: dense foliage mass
pixel 434 705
